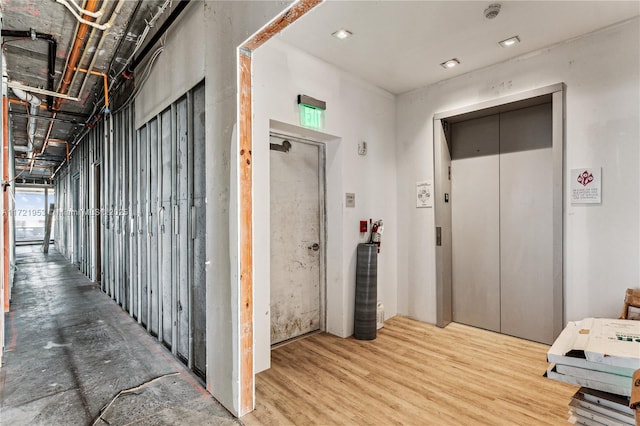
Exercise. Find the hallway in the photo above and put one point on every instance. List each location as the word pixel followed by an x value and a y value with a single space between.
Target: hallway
pixel 70 350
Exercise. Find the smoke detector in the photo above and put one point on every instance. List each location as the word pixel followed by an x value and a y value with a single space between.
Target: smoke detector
pixel 492 11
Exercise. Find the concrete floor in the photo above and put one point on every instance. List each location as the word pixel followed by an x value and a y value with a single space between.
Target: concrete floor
pixel 70 350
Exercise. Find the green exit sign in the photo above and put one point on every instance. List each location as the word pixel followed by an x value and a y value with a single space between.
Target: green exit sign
pixel 312 112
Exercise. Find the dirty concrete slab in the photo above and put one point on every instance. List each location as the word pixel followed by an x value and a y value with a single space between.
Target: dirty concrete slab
pixel 70 350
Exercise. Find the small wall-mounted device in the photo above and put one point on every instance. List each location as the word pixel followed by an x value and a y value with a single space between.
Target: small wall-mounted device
pixel 350 199
pixel 363 226
pixel 362 148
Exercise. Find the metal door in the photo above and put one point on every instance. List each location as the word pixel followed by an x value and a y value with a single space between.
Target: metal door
pixel 502 221
pixel 124 207
pixel 143 226
pixel 154 209
pixel 76 219
pixel 475 209
pixel 181 227
pixel 133 220
pixel 198 234
pixel 296 213
pixel 167 177
pixel 98 219
pixel 526 223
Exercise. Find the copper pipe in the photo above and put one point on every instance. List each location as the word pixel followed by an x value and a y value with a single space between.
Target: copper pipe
pixel 106 91
pixel 44 145
pixel 105 77
pixel 20 102
pixel 84 54
pixel 90 72
pixel 72 62
pixel 75 53
pixel 114 15
pixel 43 106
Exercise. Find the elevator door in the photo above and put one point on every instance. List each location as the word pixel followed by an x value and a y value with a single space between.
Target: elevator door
pixel 502 223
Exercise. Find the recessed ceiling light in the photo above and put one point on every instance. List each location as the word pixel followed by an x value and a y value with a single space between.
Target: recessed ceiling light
pixel 510 41
pixel 342 34
pixel 450 63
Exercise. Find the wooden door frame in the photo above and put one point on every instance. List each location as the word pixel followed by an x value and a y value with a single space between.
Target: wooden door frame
pixel 244 54
pixel 557 93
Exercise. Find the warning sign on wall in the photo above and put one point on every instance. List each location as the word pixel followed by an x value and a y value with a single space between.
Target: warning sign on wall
pixel 424 194
pixel 586 186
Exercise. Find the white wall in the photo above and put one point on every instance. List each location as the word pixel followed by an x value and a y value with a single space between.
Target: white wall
pixel 203 43
pixel 178 68
pixel 227 24
pixel 356 111
pixel 602 242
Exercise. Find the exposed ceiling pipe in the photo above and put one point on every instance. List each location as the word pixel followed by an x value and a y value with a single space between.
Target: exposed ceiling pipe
pixel 57 120
pixel 34 103
pixel 105 79
pixel 81 19
pixel 132 62
pixel 72 63
pixel 60 96
pixel 85 51
pixel 114 15
pixel 85 11
pixel 43 106
pixel 46 137
pixel 74 56
pixel 51 62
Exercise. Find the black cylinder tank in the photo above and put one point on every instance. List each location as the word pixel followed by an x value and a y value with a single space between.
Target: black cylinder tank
pixel 366 292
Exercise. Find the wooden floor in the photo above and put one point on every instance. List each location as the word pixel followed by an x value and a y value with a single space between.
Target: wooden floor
pixel 412 374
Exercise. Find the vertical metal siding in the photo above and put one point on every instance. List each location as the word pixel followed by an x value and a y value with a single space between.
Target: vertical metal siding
pixel 139 224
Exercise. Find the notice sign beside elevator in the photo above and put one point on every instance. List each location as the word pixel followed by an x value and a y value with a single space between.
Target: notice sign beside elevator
pixel 424 194
pixel 586 185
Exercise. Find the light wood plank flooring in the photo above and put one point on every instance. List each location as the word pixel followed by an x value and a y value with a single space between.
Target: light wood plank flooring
pixel 412 374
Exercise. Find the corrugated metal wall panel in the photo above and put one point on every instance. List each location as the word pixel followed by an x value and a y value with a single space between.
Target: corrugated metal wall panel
pixel 139 225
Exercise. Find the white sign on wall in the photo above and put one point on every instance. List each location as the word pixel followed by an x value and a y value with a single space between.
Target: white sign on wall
pixel 586 185
pixel 424 194
pixel 350 199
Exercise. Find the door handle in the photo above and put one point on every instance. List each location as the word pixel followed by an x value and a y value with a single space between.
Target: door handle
pixel 314 247
pixel 438 235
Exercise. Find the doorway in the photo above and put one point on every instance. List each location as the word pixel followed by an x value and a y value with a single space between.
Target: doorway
pixel 499 215
pixel 297 229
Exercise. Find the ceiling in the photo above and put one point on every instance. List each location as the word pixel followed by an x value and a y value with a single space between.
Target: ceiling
pixel 399 45
pixel 107 50
pixel 396 45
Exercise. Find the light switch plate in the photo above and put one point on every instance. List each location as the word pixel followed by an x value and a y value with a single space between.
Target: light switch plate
pixel 362 148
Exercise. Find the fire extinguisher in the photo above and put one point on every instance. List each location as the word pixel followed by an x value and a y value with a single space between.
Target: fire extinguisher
pixel 376 233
